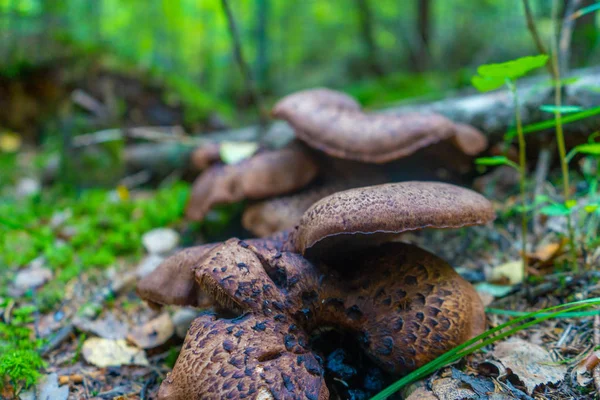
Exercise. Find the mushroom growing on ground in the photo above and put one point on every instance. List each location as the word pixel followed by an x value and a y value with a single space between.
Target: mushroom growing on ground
pixel 268 173
pixel 334 126
pixel 338 269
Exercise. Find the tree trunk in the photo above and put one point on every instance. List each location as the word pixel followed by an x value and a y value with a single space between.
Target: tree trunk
pixel 423 34
pixel 365 17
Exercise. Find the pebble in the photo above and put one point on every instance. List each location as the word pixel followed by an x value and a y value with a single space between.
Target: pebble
pixel 160 241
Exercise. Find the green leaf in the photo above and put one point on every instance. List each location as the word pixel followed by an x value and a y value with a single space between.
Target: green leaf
pixel 562 109
pixel 585 10
pixel 589 149
pixel 492 161
pixel 513 69
pixel 551 123
pixel 590 208
pixel 555 210
pixel 234 152
pixel 570 203
pixel 486 84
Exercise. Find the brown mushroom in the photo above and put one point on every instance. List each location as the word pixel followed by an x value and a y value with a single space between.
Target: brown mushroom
pixel 469 140
pixel 349 133
pixel 404 305
pixel 206 155
pixel 283 213
pixel 266 174
pixel 373 214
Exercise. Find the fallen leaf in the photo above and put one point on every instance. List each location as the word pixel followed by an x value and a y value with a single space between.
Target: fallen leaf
pixel 106 352
pixel 32 277
pixel 422 394
pixel 531 364
pixel 47 388
pixel 153 333
pixel 547 253
pixel 234 152
pixel 510 273
pixel 182 320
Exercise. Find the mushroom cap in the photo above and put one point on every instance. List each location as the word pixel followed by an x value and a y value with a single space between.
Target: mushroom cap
pixel 346 132
pixel 283 213
pixel 373 214
pixel 266 174
pixel 173 282
pixel 206 155
pixel 313 99
pixel 469 140
pixel 244 357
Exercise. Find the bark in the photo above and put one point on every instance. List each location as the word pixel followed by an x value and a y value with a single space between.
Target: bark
pixel 365 16
pixel 423 33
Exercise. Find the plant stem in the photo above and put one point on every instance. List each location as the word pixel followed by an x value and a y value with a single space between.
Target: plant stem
pixel 560 138
pixel 522 175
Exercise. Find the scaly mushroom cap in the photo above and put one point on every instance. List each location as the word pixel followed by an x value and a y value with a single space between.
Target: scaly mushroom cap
pixel 173 281
pixel 283 213
pixel 266 174
pixel 372 214
pixel 405 306
pixel 348 133
pixel 240 358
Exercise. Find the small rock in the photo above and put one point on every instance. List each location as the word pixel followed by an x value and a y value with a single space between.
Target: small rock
pixel 148 264
pixel 32 277
pixel 106 353
pixel 182 320
pixel 153 333
pixel 160 241
pixel 27 187
pixel 47 388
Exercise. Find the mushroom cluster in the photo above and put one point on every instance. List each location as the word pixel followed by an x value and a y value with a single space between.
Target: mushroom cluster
pixel 335 142
pixel 341 268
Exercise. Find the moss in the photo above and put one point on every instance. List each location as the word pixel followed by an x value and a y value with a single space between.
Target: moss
pixel 20 362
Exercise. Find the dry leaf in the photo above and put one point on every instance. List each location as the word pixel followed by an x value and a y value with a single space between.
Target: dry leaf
pixel 153 333
pixel 510 273
pixel 108 327
pixel 531 364
pixel 451 389
pixel 105 353
pixel 47 388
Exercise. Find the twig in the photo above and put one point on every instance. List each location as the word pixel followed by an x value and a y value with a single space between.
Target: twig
pixel 536 37
pixel 566 33
pixel 242 64
pixel 596 371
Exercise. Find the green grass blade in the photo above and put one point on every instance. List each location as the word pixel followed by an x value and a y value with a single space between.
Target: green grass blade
pixel 551 123
pixel 467 347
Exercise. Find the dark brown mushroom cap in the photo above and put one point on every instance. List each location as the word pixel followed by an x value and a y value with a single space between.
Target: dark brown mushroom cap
pixel 173 282
pixel 372 214
pixel 266 174
pixel 469 140
pixel 245 357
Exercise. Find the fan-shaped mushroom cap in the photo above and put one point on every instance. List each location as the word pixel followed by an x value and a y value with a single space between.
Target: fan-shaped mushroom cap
pixel 267 174
pixel 371 214
pixel 308 101
pixel 173 281
pixel 346 132
pixel 245 357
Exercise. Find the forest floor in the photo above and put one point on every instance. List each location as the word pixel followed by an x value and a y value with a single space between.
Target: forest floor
pixel 70 265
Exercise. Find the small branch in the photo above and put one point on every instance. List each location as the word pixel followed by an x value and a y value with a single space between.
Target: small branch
pixel 242 64
pixel 536 37
pixel 566 33
pixel 596 370
pixel 541 173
